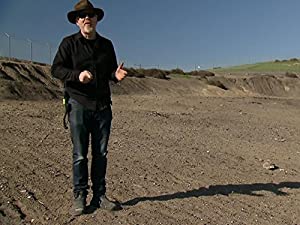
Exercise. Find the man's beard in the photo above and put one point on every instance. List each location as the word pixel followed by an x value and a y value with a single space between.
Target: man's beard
pixel 88 29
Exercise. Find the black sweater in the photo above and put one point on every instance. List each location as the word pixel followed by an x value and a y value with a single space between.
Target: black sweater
pixel 76 54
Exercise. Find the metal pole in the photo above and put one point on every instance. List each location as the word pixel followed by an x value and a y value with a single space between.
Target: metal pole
pixel 49 52
pixel 30 43
pixel 9 48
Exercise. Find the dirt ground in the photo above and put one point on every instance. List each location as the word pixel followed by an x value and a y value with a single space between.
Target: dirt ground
pixel 215 150
pixel 173 159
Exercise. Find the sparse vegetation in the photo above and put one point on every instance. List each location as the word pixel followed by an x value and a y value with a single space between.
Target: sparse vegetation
pixel 201 73
pixel 156 73
pixel 177 71
pixel 291 75
pixel 292 65
pixel 181 75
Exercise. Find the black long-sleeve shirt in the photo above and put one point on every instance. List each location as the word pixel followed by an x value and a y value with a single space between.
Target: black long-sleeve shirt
pixel 76 54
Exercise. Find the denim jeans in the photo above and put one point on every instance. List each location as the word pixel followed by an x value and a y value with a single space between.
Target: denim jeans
pixel 85 123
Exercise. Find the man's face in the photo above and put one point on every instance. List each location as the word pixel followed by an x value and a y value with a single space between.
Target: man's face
pixel 87 22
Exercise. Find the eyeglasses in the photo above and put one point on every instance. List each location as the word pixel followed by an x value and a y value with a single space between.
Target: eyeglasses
pixel 86 14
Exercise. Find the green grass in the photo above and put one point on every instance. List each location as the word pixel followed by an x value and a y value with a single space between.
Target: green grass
pixel 282 66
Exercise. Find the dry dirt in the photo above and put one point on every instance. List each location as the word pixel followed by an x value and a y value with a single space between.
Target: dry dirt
pixel 182 151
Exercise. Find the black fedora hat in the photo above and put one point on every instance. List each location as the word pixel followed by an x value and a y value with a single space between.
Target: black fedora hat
pixel 84 5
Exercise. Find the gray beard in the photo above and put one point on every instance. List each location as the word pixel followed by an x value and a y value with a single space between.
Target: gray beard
pixel 88 29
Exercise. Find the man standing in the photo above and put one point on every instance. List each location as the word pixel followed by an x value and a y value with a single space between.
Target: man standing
pixel 85 62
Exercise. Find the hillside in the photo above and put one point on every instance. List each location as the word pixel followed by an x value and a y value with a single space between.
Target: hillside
pixel 291 66
pixel 27 81
pixel 33 81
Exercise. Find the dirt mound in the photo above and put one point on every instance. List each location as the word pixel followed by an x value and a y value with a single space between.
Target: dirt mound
pixel 201 73
pixel 25 80
pixel 140 73
pixel 33 81
pixel 265 85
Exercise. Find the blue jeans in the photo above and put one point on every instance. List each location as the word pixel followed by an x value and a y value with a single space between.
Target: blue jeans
pixel 85 123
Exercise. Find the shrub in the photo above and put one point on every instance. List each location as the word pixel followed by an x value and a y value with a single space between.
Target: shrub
pixel 177 71
pixel 131 72
pixel 201 73
pixel 294 60
pixel 140 73
pixel 291 75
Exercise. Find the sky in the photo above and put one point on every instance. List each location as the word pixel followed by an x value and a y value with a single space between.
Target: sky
pixel 165 34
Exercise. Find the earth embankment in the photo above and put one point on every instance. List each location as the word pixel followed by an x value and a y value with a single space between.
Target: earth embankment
pixel 32 81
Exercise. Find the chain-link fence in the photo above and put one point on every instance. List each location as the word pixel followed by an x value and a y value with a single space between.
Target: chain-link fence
pixel 21 48
pixel 43 52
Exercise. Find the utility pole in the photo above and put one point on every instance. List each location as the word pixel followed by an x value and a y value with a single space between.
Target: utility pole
pixel 9 44
pixel 30 44
pixel 50 55
pixel 139 65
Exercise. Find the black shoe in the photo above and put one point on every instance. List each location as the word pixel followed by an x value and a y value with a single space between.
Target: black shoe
pixel 79 203
pixel 104 203
pixel 95 202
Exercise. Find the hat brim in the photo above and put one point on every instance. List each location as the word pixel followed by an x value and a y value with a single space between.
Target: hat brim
pixel 73 14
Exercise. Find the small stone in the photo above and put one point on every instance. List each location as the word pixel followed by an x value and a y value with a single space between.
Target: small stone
pixel 270 166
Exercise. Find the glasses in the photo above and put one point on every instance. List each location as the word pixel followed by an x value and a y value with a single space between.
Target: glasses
pixel 86 14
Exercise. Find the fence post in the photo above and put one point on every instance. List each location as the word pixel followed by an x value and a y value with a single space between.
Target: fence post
pixel 50 54
pixel 9 45
pixel 30 44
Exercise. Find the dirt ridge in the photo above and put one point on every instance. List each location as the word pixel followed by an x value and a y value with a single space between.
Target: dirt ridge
pixel 31 81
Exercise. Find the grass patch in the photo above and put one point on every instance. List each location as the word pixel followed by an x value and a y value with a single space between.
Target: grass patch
pixel 273 66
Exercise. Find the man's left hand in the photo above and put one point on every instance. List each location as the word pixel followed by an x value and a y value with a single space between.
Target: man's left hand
pixel 120 72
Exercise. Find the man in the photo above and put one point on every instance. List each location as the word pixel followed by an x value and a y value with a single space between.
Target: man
pixel 85 62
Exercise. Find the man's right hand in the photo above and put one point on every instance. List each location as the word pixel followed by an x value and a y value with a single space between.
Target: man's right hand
pixel 85 77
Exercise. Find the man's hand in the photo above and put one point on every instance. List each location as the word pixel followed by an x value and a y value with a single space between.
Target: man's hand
pixel 85 77
pixel 120 73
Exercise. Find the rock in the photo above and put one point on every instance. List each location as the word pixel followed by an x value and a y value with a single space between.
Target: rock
pixel 270 166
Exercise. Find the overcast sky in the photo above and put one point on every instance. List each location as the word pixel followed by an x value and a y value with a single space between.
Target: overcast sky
pixel 164 33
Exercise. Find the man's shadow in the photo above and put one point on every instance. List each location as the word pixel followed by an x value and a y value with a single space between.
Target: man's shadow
pixel 245 189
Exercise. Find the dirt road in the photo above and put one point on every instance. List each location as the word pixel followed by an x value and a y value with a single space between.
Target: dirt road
pixel 173 159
